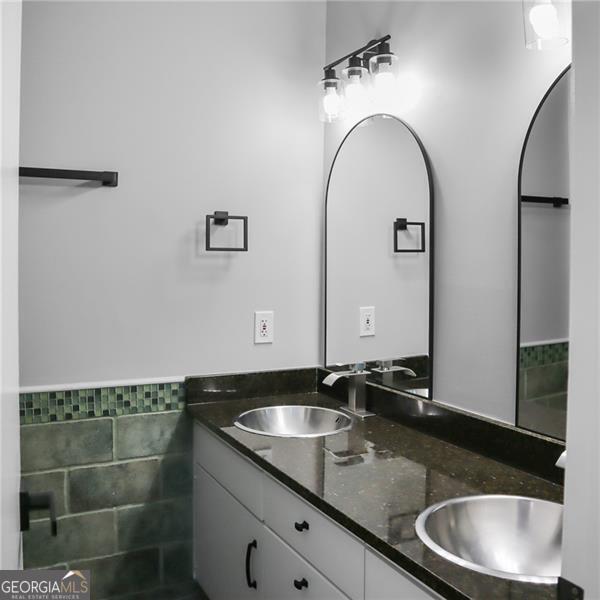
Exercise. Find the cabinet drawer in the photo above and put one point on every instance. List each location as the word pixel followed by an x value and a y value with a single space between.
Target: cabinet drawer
pixel 324 544
pixel 284 569
pixel 383 581
pixel 234 472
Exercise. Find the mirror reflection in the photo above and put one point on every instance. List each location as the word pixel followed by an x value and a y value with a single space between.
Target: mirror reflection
pixel 544 267
pixel 378 257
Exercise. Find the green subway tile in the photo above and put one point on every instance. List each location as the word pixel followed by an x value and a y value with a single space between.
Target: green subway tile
pixel 154 523
pixel 57 445
pixel 94 488
pixel 152 434
pixel 81 536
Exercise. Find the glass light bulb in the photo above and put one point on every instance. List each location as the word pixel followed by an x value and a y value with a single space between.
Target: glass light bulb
pixel 332 103
pixel 356 94
pixel 384 81
pixel 544 20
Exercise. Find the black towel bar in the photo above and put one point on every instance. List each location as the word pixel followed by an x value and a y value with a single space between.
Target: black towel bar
pixel 108 178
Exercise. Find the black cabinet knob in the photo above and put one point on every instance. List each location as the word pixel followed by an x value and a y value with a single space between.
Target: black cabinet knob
pixel 301 526
pixel 300 583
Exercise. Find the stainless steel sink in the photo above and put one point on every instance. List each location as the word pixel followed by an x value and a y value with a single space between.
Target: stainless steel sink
pixel 293 421
pixel 512 537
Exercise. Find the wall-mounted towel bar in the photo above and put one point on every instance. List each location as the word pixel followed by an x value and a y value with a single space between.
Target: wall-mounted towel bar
pixel 222 218
pixel 108 178
pixel 556 202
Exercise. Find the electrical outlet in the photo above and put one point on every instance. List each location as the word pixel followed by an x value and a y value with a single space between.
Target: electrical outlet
pixel 367 321
pixel 264 323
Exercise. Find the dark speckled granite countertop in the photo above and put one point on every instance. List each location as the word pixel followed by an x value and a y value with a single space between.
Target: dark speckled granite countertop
pixel 375 479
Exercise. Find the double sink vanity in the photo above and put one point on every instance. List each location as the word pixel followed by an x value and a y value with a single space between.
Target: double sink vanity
pixel 295 497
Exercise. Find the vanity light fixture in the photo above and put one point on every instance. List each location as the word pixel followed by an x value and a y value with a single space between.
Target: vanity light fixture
pixel 352 96
pixel 543 23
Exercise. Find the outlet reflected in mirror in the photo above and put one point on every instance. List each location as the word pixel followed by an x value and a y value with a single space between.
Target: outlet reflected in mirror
pixel 378 256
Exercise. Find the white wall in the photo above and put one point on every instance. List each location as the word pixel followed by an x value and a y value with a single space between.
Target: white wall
pixel 545 230
pixel 480 87
pixel 581 540
pixel 10 54
pixel 200 106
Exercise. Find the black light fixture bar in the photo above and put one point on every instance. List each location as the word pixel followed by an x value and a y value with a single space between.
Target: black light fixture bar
pixel 364 48
pixel 556 201
pixel 108 178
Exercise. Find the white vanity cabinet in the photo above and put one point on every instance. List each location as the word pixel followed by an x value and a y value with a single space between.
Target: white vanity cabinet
pixel 256 539
pixel 226 537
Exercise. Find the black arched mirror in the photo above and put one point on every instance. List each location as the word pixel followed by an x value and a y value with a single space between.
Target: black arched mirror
pixel 544 238
pixel 379 256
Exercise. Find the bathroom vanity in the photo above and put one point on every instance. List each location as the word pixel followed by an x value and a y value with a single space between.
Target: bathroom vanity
pixel 334 517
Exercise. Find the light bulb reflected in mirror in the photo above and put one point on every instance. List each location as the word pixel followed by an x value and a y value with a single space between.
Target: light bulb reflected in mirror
pixel 546 24
pixel 544 20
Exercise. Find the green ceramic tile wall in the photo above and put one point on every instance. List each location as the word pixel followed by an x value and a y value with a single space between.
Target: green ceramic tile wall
pixel 543 380
pixel 543 354
pixel 119 463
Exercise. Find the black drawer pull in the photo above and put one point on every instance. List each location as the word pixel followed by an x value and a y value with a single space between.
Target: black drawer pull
pixel 299 584
pixel 301 526
pixel 251 582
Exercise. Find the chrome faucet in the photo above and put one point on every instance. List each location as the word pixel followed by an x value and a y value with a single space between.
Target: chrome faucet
pixel 357 389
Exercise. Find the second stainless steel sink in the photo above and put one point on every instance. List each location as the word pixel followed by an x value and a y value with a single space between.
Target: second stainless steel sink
pixel 293 421
pixel 512 537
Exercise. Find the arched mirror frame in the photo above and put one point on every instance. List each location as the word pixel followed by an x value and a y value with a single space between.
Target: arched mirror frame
pixel 519 242
pixel 427 164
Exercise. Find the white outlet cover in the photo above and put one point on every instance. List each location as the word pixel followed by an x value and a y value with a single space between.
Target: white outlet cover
pixel 367 321
pixel 264 323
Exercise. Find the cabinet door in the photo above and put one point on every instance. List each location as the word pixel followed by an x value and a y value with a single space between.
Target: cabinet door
pixel 228 542
pixel 386 582
pixel 287 576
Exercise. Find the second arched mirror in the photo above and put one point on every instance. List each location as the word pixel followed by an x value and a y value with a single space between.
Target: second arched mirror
pixel 379 259
pixel 544 238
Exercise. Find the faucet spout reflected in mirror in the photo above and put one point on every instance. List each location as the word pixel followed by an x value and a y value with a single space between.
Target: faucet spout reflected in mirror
pixel 357 389
pixel 388 366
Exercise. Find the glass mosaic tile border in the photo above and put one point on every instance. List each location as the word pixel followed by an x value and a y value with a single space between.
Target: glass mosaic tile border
pixel 71 405
pixel 543 354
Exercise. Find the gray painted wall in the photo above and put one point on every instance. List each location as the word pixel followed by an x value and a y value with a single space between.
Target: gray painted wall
pixel 100 265
pixel 581 542
pixel 480 87
pixel 200 106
